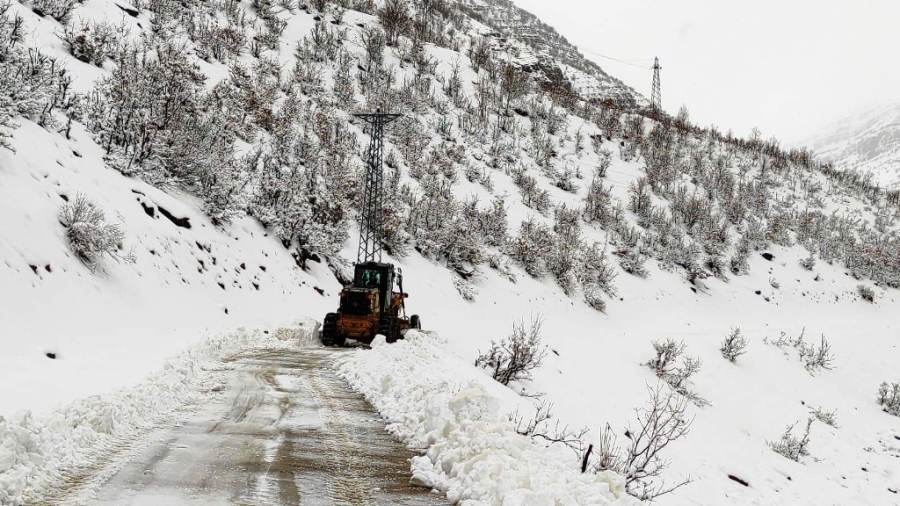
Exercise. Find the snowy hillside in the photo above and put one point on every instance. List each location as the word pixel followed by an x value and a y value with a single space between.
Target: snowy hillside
pixel 868 142
pixel 219 142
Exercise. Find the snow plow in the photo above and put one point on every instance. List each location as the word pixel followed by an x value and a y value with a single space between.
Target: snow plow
pixel 369 306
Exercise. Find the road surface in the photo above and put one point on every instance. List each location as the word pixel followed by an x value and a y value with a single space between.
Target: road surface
pixel 286 431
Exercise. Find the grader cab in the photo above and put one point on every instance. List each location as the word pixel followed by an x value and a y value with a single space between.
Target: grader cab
pixel 369 306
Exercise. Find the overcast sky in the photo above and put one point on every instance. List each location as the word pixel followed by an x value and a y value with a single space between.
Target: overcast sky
pixel 786 66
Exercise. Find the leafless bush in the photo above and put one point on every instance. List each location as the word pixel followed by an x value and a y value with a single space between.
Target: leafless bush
pixel 666 368
pixel 540 427
pixel 516 356
pixel 56 9
pixel 734 345
pixel 827 417
pixel 662 421
pixel 789 446
pixel 394 18
pixel 889 398
pixel 866 293
pixel 465 289
pixel 92 42
pixel 809 262
pixel 533 195
pixel 632 262
pixel 813 357
pixel 740 260
pixel 531 246
pixel 90 237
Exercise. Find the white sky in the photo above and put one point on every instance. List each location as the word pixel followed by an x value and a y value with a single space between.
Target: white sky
pixel 788 67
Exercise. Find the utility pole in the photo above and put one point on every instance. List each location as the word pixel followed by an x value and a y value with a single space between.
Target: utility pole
pixel 656 97
pixel 372 218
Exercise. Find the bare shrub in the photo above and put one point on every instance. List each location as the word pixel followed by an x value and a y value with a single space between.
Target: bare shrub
pixel 540 427
pixel 734 345
pixel 790 446
pixel 90 236
pixel 665 366
pixel 633 262
pixel 394 18
pixel 827 417
pixel 809 262
pixel 516 356
pixel 56 9
pixel 465 289
pixel 662 421
pixel 813 357
pixel 889 398
pixel 866 293
pixel 92 42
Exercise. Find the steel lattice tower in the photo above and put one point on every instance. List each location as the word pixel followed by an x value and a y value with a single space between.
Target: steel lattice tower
pixel 371 223
pixel 656 97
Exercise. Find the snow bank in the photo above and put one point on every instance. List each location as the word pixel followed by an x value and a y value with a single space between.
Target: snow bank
pixel 435 402
pixel 38 453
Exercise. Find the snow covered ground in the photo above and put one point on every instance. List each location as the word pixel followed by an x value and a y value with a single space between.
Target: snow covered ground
pixel 119 339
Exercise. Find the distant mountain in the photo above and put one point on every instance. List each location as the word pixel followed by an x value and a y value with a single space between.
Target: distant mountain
pixel 869 142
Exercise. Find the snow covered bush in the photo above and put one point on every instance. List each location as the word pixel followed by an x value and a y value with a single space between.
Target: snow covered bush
pixel 866 293
pixel 465 289
pixel 827 417
pixel 790 446
pixel 809 262
pixel 92 41
pixel 533 195
pixel 632 262
pixel 90 236
pixel 740 264
pixel 56 9
pixel 813 357
pixel 663 420
pixel 665 366
pixel 32 84
pixel 533 244
pixel 155 120
pixel 734 345
pixel 596 271
pixel 516 356
pixel 889 398
pixel 562 262
pixel 395 18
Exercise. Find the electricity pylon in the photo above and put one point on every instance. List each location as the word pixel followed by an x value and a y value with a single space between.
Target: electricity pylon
pixel 371 223
pixel 656 97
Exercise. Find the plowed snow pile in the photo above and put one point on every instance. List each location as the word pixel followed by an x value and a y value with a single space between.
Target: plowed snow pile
pixel 432 400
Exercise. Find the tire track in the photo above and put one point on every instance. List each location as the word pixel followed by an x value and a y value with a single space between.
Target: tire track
pixel 285 430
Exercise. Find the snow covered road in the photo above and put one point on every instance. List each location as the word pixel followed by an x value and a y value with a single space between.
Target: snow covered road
pixel 286 431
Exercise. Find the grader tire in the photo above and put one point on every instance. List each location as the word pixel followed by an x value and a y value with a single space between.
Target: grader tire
pixel 415 322
pixel 390 329
pixel 330 331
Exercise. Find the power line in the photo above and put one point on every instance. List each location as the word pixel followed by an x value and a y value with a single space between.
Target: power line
pixel 634 63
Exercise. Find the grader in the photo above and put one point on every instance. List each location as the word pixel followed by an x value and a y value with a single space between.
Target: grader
pixel 369 305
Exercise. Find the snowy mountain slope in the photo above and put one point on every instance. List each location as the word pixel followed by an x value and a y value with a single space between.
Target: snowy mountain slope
pixel 547 49
pixel 468 136
pixel 867 142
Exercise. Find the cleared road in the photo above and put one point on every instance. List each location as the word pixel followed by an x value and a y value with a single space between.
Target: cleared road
pixel 286 431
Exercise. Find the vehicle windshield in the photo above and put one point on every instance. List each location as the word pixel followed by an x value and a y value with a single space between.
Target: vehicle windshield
pixel 370 279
